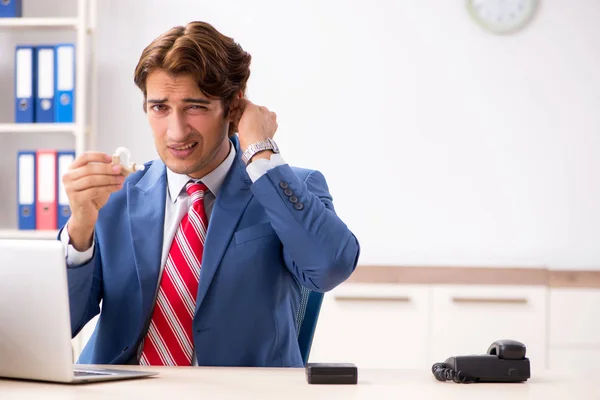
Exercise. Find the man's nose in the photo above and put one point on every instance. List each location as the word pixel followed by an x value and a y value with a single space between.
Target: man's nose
pixel 178 128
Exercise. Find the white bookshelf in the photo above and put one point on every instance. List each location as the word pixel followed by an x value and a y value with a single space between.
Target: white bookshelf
pixel 83 26
pixel 17 234
pixel 38 128
pixel 39 23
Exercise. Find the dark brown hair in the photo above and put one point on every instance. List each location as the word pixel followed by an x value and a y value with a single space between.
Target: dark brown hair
pixel 216 62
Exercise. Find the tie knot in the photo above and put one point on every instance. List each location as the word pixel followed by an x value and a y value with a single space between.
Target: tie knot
pixel 196 190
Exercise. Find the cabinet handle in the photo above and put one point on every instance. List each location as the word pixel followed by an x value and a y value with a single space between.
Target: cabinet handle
pixel 402 299
pixel 490 300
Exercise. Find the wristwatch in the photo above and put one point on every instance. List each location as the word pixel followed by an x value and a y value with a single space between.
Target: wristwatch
pixel 254 148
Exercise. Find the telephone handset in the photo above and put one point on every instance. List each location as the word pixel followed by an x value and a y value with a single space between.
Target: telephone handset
pixel 505 361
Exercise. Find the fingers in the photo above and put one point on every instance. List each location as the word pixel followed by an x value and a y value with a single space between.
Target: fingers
pixel 274 121
pixel 236 108
pixel 94 181
pixel 265 111
pixel 240 105
pixel 92 193
pixel 236 115
pixel 93 169
pixel 90 157
pixel 249 117
pixel 243 103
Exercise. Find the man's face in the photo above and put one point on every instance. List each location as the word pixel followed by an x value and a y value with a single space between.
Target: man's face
pixel 190 129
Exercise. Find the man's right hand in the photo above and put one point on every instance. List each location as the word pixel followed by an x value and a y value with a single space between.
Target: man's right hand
pixel 89 182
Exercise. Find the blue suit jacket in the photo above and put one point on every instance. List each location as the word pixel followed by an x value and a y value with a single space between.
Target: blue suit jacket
pixel 260 247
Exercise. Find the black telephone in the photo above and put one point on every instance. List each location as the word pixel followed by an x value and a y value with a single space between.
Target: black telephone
pixel 505 361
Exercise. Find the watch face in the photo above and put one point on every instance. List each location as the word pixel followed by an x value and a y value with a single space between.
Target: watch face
pixel 502 16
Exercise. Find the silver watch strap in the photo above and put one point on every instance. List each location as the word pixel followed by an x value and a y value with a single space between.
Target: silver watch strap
pixel 254 148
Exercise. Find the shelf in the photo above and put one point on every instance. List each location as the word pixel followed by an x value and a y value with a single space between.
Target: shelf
pixel 37 128
pixel 39 22
pixel 17 234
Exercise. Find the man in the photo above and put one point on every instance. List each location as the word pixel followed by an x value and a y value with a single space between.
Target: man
pixel 200 258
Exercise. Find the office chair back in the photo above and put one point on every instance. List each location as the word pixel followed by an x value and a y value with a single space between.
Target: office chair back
pixel 306 320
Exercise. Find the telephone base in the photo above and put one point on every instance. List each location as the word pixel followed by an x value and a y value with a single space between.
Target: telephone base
pixel 490 368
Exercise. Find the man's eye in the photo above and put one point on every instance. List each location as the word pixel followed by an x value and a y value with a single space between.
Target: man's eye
pixel 159 107
pixel 197 107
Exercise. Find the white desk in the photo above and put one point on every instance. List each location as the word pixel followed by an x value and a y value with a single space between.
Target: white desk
pixel 265 384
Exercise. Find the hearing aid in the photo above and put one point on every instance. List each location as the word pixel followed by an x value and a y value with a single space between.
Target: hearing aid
pixel 122 156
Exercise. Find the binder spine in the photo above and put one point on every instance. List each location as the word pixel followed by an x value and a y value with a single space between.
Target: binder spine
pixel 26 189
pixel 64 93
pixel 46 190
pixel 63 160
pixel 25 84
pixel 44 110
pixel 11 8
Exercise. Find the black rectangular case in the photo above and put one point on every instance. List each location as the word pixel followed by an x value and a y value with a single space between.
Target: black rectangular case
pixel 331 374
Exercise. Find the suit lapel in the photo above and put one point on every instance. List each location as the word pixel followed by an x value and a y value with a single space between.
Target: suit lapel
pixel 146 206
pixel 229 207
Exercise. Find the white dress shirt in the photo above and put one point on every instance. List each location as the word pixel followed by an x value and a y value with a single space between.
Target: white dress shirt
pixel 178 203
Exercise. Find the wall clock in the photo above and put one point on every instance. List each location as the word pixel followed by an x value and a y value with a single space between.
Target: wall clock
pixel 502 16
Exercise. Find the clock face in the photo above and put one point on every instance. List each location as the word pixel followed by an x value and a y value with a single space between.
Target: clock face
pixel 502 16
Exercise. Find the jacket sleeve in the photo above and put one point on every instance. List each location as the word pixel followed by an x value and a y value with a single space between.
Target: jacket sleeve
pixel 319 249
pixel 85 290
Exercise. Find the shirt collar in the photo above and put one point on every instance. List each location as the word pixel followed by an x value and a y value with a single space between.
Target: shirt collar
pixel 213 180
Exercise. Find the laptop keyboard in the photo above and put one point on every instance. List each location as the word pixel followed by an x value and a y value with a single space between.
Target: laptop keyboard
pixel 90 373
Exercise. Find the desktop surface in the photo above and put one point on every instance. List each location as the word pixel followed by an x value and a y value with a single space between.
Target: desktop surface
pixel 267 383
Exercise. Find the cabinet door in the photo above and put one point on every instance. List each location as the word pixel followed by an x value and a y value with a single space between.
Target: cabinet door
pixel 467 319
pixel 373 326
pixel 574 361
pixel 574 317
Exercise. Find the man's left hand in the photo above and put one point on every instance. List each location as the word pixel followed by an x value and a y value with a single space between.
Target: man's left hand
pixel 255 123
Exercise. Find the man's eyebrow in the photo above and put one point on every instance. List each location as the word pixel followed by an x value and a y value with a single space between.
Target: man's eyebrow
pixel 192 100
pixel 186 100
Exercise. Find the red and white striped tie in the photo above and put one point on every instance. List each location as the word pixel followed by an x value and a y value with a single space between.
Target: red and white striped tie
pixel 169 340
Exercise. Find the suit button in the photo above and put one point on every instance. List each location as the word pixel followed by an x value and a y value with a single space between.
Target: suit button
pixel 288 192
pixel 293 199
pixel 125 349
pixel 298 206
pixel 283 185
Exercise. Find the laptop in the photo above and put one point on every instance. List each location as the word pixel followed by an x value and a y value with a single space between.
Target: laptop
pixel 35 324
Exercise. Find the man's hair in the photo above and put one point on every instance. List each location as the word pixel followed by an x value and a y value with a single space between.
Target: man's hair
pixel 216 62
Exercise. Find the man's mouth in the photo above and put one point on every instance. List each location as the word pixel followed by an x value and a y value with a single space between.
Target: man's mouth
pixel 183 148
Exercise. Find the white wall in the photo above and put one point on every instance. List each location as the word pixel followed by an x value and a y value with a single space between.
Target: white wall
pixel 442 144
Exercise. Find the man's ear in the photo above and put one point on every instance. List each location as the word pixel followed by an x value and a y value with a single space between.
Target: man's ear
pixel 239 95
pixel 234 104
pixel 232 116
